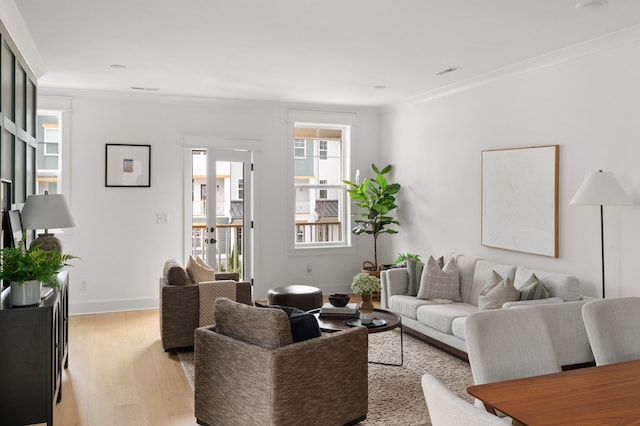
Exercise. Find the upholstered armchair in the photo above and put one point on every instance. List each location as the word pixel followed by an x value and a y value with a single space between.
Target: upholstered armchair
pixel 248 371
pixel 185 305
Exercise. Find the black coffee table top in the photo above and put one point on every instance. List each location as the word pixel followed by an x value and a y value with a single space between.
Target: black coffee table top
pixel 337 324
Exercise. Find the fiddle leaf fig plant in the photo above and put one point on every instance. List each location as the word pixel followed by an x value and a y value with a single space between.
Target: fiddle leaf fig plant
pixel 377 197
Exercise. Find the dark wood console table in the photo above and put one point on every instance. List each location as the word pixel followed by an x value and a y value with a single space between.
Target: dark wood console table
pixel 33 351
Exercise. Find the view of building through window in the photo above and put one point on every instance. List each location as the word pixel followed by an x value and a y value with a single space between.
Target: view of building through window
pixel 48 161
pixel 319 189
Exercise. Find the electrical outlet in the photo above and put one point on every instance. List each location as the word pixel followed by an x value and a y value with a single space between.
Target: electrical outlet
pixel 309 268
pixel 83 285
pixel 161 218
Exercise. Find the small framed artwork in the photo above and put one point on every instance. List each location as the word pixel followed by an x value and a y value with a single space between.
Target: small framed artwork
pixel 128 165
pixel 14 223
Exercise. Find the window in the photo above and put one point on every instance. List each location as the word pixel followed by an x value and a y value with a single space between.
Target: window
pixel 319 192
pixel 240 189
pixel 48 163
pixel 51 139
pixel 323 149
pixel 323 192
pixel 300 148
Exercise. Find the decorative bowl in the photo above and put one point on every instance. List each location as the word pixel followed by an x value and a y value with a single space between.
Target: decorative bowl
pixel 339 300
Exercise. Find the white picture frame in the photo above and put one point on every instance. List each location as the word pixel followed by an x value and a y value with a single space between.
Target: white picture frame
pixel 520 199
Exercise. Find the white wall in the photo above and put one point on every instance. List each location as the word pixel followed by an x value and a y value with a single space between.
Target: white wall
pixel 589 105
pixel 123 250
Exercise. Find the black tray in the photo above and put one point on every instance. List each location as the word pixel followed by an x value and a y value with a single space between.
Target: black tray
pixel 355 322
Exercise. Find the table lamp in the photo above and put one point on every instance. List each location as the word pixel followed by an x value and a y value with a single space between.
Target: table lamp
pixel 48 211
pixel 601 189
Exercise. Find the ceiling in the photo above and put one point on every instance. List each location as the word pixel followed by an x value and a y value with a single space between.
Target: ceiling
pixel 357 52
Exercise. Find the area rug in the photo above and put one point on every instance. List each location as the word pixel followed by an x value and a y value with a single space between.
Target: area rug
pixel 395 393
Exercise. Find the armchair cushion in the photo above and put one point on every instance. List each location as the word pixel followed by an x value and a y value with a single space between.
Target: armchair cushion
pixel 267 328
pixel 304 326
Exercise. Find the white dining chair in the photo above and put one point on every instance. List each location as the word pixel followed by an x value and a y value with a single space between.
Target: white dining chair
pixel 505 344
pixel 613 328
pixel 447 408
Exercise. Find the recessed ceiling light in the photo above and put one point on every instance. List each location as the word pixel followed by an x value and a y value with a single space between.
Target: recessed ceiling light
pixel 590 4
pixel 117 66
pixel 379 87
pixel 447 70
pixel 150 89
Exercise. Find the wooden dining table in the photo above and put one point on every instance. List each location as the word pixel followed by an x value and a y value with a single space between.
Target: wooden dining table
pixel 602 395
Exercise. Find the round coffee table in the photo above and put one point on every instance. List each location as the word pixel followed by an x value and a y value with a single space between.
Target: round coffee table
pixel 391 319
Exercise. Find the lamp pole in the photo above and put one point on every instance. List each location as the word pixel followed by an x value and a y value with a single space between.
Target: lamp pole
pixel 602 244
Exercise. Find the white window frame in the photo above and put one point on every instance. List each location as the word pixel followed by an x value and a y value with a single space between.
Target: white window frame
pixel 348 123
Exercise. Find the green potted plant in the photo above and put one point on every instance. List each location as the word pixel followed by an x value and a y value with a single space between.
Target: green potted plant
pixel 377 198
pixel 365 285
pixel 27 269
pixel 404 257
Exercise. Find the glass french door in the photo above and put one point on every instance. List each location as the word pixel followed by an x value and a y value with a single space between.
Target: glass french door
pixel 221 209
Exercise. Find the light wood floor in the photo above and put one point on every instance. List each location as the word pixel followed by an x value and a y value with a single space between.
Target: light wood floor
pixel 119 375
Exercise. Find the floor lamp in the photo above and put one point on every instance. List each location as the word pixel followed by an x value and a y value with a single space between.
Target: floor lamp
pixel 601 189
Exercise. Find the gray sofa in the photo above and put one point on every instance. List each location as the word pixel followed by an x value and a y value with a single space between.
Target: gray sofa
pixel 443 324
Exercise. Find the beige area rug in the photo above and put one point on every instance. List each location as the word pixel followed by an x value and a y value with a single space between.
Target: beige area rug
pixel 395 393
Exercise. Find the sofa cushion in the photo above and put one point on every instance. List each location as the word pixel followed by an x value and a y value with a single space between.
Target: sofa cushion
pixel 407 305
pixel 533 289
pixel 440 283
pixel 441 317
pixel 199 273
pixel 304 326
pixel 482 274
pixel 267 328
pixel 496 292
pixel 559 285
pixel 174 273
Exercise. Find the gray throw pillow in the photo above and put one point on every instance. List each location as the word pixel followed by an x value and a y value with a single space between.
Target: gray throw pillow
pixel 533 289
pixel 174 273
pixel 414 269
pixel 437 283
pixel 496 292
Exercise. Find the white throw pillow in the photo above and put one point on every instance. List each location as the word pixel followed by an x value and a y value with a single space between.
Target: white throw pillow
pixel 197 273
pixel 496 292
pixel 437 283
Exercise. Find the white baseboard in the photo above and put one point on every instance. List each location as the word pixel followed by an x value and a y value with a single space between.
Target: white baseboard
pixel 86 308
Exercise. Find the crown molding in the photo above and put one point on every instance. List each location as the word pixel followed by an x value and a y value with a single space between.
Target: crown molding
pixel 606 42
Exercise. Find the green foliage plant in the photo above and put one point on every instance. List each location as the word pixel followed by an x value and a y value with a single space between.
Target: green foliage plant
pixel 18 265
pixel 377 197
pixel 403 257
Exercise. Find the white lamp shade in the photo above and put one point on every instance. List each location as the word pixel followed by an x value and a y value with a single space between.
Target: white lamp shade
pixel 47 211
pixel 601 189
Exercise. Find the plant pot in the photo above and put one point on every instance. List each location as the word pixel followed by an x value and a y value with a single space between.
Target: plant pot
pixel 26 293
pixel 366 309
